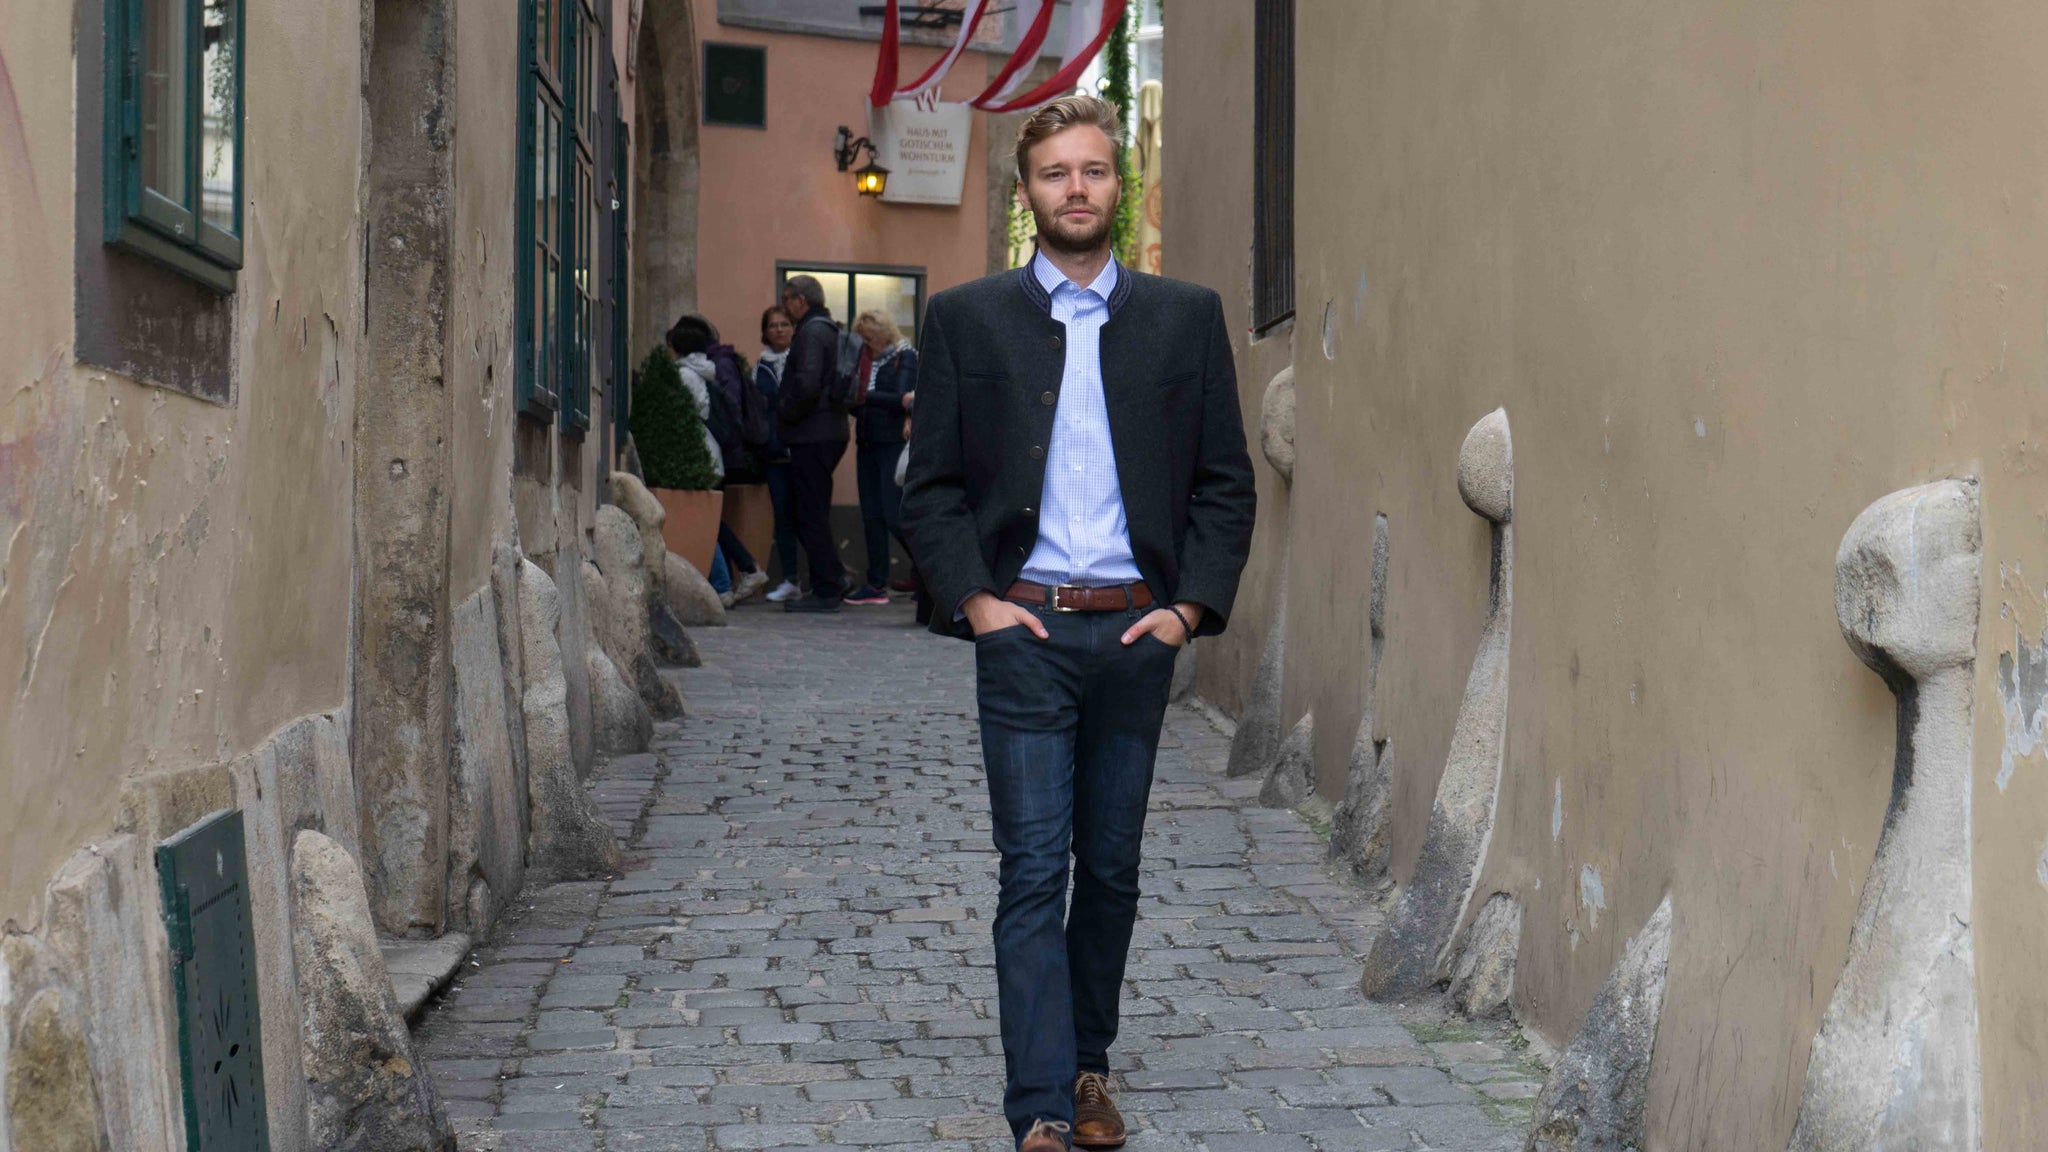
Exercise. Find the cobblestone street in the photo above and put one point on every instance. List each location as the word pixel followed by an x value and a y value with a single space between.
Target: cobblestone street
pixel 798 953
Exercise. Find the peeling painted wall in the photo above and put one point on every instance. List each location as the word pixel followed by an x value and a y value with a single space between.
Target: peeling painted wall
pixel 174 574
pixel 1735 271
pixel 177 571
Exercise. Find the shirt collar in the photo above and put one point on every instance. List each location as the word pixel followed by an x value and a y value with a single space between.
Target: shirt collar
pixel 1052 278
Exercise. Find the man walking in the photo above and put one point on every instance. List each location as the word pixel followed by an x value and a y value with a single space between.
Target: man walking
pixel 1080 503
pixel 814 431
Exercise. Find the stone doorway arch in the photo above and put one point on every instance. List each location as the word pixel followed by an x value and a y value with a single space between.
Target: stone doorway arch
pixel 664 279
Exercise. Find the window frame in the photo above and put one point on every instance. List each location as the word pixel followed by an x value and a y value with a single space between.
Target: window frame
pixel 1273 93
pixel 784 269
pixel 621 388
pixel 137 218
pixel 568 103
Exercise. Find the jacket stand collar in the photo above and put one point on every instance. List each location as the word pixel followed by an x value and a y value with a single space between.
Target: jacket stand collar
pixel 1043 299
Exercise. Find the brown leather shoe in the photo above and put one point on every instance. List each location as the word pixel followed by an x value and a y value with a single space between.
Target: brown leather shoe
pixel 1097 1123
pixel 1046 1136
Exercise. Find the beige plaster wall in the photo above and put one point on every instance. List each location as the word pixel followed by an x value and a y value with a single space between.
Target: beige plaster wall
pixel 482 278
pixel 174 574
pixel 1735 271
pixel 1209 68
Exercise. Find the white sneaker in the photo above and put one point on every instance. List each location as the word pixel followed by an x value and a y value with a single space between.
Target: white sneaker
pixel 785 591
pixel 749 586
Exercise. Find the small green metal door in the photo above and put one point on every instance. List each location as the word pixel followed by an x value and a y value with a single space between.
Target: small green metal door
pixel 204 874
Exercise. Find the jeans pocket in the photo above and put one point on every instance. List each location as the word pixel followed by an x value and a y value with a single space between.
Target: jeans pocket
pixel 1155 641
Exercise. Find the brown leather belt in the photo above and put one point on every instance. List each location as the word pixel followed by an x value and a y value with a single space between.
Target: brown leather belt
pixel 1069 598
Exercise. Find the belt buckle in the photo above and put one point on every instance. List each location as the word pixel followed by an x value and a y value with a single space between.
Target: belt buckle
pixel 1053 598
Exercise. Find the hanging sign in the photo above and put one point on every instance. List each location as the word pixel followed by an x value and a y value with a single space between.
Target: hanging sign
pixel 923 144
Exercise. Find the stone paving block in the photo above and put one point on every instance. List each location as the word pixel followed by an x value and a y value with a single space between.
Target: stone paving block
pixel 1336 1037
pixel 674 1076
pixel 865 1132
pixel 1462 1126
pixel 541 1141
pixel 1388 1139
pixel 534 1099
pixel 537 1121
pixel 1407 1084
pixel 656 1140
pixel 1201 1121
pixel 788 1073
pixel 809 1112
pixel 585 1040
pixel 845 1090
pixel 1277 1077
pixel 694 1116
pixel 1261 1142
pixel 781 1033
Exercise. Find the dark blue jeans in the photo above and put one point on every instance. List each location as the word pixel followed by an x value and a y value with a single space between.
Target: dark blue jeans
pixel 785 528
pixel 881 505
pixel 1069 729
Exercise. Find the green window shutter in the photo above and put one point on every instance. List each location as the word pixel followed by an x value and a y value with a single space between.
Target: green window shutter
pixel 172 138
pixel 564 294
pixel 536 380
pixel 580 288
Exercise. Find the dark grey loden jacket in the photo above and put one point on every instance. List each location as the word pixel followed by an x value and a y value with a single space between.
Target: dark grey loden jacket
pixel 991 358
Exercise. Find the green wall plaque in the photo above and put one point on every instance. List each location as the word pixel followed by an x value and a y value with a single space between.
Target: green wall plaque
pixel 204 874
pixel 736 85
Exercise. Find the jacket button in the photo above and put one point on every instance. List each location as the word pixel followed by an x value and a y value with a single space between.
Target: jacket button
pixel 1053 343
pixel 1031 511
pixel 1037 453
pixel 1048 399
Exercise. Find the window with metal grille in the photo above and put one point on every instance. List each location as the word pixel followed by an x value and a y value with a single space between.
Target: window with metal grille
pixel 565 295
pixel 1272 164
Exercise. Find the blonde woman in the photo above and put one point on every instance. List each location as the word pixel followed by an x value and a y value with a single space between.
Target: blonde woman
pixel 884 391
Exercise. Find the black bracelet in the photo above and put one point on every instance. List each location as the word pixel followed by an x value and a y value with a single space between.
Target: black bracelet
pixel 1187 631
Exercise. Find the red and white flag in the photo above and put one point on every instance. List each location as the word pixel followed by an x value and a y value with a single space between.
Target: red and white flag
pixel 1088 27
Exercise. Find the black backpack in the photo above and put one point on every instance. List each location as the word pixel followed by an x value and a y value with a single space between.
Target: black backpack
pixel 724 425
pixel 754 416
pixel 846 364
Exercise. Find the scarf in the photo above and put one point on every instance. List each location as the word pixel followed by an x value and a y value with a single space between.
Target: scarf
pixel 871 366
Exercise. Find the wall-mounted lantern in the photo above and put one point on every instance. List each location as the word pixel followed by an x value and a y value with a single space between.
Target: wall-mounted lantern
pixel 871 178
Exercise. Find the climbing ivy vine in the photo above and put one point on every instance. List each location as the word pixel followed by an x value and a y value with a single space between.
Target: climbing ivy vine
pixel 1118 90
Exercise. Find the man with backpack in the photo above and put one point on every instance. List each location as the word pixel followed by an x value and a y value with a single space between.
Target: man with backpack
pixel 812 406
pixel 736 420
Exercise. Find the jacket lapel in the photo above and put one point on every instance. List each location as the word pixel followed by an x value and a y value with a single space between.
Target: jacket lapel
pixel 1037 363
pixel 1140 448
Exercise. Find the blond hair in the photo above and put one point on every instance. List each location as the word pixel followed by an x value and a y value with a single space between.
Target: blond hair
pixel 1062 114
pixel 880 325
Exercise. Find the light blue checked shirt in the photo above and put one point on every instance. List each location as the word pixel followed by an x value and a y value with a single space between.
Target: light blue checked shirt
pixel 1082 536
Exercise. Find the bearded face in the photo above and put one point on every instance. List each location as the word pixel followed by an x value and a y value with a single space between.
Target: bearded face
pixel 1072 189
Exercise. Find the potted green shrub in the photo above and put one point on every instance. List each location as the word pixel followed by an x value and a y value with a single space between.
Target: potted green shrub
pixel 668 430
